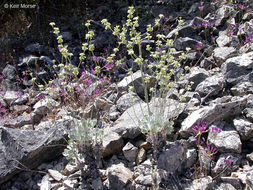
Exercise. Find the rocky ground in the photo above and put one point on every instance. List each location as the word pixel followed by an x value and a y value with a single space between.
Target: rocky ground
pixel 34 132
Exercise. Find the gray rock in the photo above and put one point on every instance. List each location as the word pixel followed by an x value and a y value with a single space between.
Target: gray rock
pixel 191 157
pixel 11 96
pixel 245 177
pixel 23 99
pixel 119 177
pixel 233 181
pixel 211 86
pixel 22 148
pixel 144 180
pixel 56 175
pixel 19 121
pixel 222 14
pixel 184 31
pixel 128 100
pixel 248 112
pixel 221 54
pixel 130 152
pixel 112 144
pixel 225 186
pixel 28 61
pixel 141 156
pixel 197 75
pixel 202 183
pixel 242 89
pixel 10 72
pixel 135 80
pixel 250 157
pixel 45 105
pixel 67 36
pixel 237 67
pixel 225 40
pixel 221 164
pixel 228 140
pixel 207 64
pixel 127 124
pixel 183 43
pixel 243 127
pixel 39 49
pixel 210 114
pixel 173 159
pixel 45 183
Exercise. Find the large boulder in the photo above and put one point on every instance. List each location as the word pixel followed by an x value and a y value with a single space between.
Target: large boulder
pixel 212 113
pixel 27 149
pixel 235 68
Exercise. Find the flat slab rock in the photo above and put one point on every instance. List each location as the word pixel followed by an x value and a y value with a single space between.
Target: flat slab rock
pixel 27 148
pixel 210 114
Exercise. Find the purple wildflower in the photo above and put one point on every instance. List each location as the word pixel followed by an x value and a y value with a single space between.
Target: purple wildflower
pixel 201 8
pixel 241 6
pixel 97 92
pixel 229 162
pixel 93 71
pixel 89 82
pixel 199 46
pixel 53 85
pixel 215 130
pixel 199 128
pixel 108 66
pixel 2 110
pixel 84 73
pixel 94 58
pixel 249 38
pixel 204 25
pixel 1 76
pixel 102 80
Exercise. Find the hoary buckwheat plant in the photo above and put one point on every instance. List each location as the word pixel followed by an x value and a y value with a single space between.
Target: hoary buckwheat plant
pixel 84 148
pixel 160 63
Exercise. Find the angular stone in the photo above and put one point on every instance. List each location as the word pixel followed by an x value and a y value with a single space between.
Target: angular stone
pixel 10 72
pixel 191 157
pixel 11 96
pixel 119 176
pixel 183 43
pixel 211 86
pixel 22 148
pixel 45 183
pixel 242 89
pixel 197 75
pixel 203 183
pixel 221 54
pixel 228 140
pixel 135 80
pixel 207 64
pixel 221 164
pixel 237 67
pixel 212 113
pixel 130 152
pixel 45 105
pixel 56 175
pixel 173 159
pixel 233 181
pixel 19 121
pixel 244 128
pixel 141 156
pixel 112 144
pixel 222 14
pixel 144 180
pixel 223 186
pixel 128 100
